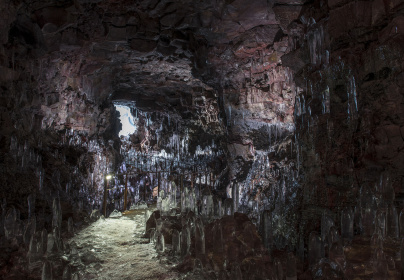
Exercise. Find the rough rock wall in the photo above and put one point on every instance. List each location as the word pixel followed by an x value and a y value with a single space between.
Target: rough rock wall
pixel 55 127
pixel 348 61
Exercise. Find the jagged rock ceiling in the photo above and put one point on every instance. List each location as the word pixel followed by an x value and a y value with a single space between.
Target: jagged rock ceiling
pixel 215 65
pixel 163 51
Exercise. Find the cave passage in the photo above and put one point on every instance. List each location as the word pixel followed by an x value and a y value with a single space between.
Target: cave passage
pixel 212 139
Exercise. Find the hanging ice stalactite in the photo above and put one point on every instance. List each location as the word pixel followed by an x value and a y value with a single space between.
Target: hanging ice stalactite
pixel 326 101
pixel 352 101
pixel 229 110
pixel 269 133
pixel 353 88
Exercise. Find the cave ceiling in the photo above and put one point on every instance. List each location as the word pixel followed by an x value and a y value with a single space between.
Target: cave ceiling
pixel 163 55
pixel 209 73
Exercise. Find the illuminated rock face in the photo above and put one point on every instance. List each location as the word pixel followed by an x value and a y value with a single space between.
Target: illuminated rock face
pixel 284 109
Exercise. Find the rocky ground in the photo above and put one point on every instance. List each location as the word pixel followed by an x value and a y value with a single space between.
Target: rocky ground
pixel 115 248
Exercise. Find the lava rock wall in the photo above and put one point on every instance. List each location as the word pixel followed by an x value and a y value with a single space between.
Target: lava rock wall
pixel 57 133
pixel 347 58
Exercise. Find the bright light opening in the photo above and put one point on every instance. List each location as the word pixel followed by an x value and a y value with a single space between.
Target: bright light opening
pixel 127 120
pixel 109 177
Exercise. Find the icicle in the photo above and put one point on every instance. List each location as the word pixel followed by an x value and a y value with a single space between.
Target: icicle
pixel 291 148
pixel 10 223
pixel 160 243
pixel 266 221
pixel 402 258
pixel 401 222
pixel 217 207
pixel 33 253
pixel 269 133
pixel 217 237
pixel 235 196
pixel 354 92
pixel 278 270
pixel 29 230
pixel 392 222
pixel 291 273
pixel 380 269
pixel 315 248
pixel 358 227
pixel 380 222
pixel 57 214
pixel 47 271
pixel 43 241
pixel 31 205
pixel 326 223
pixel 185 240
pixel 70 226
pixel 229 108
pixel 176 242
pixel 347 224
pixel 199 237
pixel 228 207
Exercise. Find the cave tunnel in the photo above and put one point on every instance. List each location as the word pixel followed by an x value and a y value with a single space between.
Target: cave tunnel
pixel 211 139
